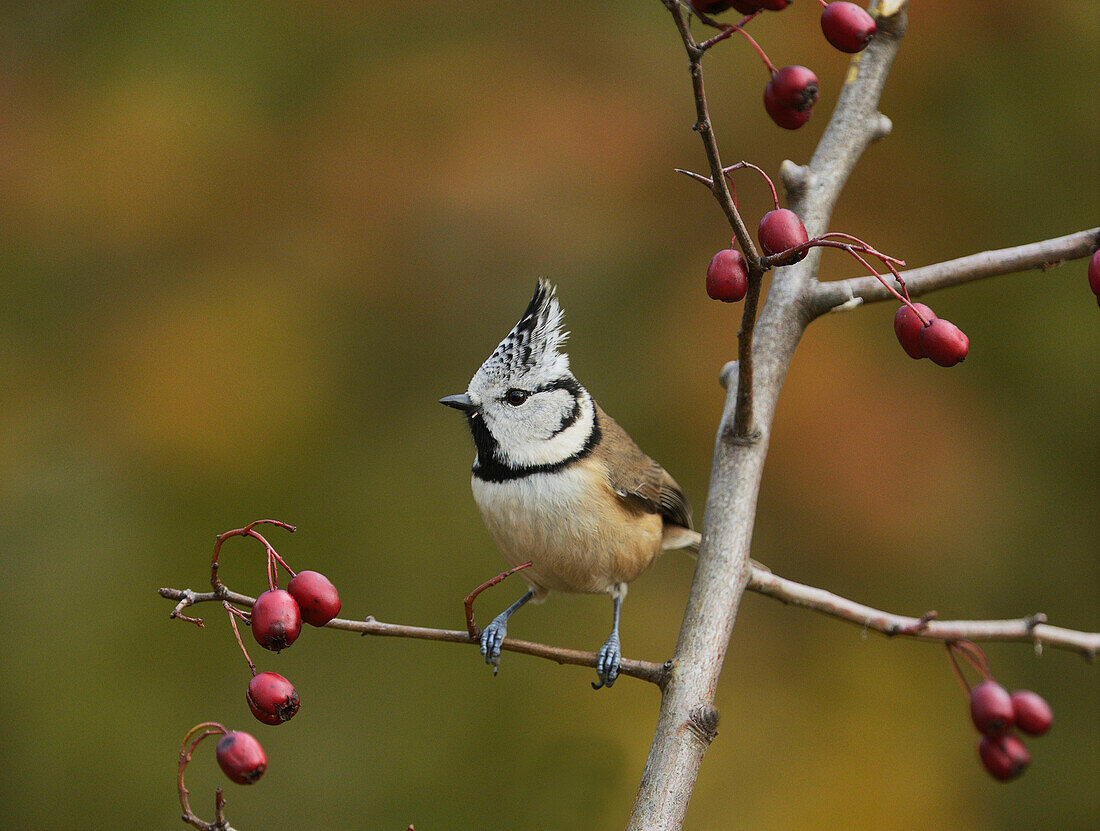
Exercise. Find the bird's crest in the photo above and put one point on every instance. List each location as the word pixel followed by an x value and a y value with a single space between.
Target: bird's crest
pixel 534 342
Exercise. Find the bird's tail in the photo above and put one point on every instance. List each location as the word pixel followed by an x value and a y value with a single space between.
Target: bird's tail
pixel 679 538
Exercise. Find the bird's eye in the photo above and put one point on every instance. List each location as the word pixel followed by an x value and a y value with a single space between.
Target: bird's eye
pixel 515 397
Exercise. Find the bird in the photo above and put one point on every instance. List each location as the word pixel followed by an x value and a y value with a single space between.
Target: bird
pixel 559 483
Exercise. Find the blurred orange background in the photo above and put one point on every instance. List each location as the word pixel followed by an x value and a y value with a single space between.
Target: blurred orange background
pixel 246 247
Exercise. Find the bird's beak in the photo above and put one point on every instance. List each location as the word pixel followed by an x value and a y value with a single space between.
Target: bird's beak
pixel 459 402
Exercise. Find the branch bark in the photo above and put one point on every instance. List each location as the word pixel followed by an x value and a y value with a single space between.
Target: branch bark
pixel 687 715
pixel 643 670
pixel 1030 629
pixel 1042 255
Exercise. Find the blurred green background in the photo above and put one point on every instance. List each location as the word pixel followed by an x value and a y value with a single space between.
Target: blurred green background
pixel 244 249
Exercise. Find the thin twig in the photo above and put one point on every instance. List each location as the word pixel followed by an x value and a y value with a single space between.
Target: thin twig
pixel 643 670
pixel 472 627
pixel 1031 629
pixel 743 417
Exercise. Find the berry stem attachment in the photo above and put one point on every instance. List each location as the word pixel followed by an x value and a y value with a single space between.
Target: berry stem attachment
pixel 472 627
pixel 727 30
pixel 743 164
pixel 207 728
pixel 246 531
pixel 955 666
pixel 235 613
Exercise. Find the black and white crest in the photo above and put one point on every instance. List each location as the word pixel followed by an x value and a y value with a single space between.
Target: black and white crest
pixel 532 347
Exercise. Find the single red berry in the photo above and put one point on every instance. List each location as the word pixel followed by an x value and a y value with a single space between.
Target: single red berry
pixel 847 27
pixel 772 5
pixel 1094 273
pixel 727 276
pixel 317 597
pixel 710 6
pixel 746 6
pixel 907 326
pixel 276 620
pixel 944 342
pixel 241 757
pixel 991 709
pixel 782 229
pixel 1033 714
pixel 1005 757
pixel 271 698
pixel 794 87
pixel 786 117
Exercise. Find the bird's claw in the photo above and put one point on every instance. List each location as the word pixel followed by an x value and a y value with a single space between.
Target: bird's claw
pixel 607 662
pixel 491 639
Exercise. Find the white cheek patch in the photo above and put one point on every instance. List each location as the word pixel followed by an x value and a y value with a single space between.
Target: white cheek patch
pixel 524 449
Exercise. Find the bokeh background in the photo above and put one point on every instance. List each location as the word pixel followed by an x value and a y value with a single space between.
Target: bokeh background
pixel 244 249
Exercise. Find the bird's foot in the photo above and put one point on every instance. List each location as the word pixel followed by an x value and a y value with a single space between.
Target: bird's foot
pixel 491 639
pixel 607 664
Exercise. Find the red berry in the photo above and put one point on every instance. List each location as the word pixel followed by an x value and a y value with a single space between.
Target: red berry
pixel 1094 273
pixel 794 87
pixel 241 757
pixel 786 117
pixel 847 27
pixel 276 620
pixel 710 6
pixel 782 229
pixel 1005 757
pixel 727 276
pixel 907 326
pixel 316 596
pixel 271 698
pixel 747 6
pixel 991 709
pixel 1033 714
pixel 944 342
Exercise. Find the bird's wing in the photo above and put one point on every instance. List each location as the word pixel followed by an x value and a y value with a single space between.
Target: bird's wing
pixel 638 479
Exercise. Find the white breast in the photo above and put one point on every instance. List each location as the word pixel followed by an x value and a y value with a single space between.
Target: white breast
pixel 578 536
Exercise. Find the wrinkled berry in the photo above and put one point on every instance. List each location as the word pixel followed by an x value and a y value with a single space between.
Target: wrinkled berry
pixel 241 757
pixel 786 117
pixel 794 87
pixel 780 230
pixel 317 597
pixel 991 708
pixel 944 342
pixel 276 620
pixel 847 27
pixel 727 276
pixel 271 698
pixel 1005 757
pixel 1033 714
pixel 907 326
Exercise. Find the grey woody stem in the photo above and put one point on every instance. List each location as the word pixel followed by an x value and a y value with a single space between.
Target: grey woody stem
pixel 687 715
pixel 1044 255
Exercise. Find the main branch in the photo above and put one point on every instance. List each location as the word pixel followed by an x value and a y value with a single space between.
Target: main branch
pixel 687 717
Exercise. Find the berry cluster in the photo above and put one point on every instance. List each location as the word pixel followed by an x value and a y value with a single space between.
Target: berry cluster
pixel 923 335
pixel 995 712
pixel 784 241
pixel 276 621
pixel 1094 275
pixel 792 91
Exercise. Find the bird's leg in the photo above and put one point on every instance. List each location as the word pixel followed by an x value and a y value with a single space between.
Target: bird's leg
pixel 495 632
pixel 607 666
